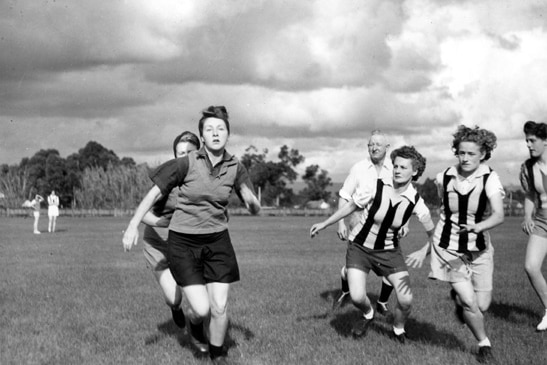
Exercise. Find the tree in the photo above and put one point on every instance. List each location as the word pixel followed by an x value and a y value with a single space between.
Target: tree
pixel 317 184
pixel 95 155
pixel 47 170
pixel 14 184
pixel 116 187
pixel 271 178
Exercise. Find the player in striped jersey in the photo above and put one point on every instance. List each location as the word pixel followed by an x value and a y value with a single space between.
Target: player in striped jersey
pixel 374 242
pixel 364 175
pixel 533 179
pixel 462 253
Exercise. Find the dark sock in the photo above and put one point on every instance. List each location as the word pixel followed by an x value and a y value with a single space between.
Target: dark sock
pixel 385 292
pixel 197 332
pixel 345 285
pixel 178 316
pixel 215 351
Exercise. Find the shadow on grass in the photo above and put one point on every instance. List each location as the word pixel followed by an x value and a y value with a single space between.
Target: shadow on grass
pixel 328 296
pixel 417 331
pixel 164 330
pixel 511 312
pixel 170 329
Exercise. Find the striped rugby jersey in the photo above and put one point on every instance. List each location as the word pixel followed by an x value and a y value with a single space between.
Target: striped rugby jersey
pixel 465 201
pixel 384 213
pixel 534 182
pixel 363 175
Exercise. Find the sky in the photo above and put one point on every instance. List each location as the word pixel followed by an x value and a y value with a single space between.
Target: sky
pixel 317 76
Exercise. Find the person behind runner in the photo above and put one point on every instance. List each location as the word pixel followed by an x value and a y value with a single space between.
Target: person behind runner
pixel 374 241
pixel 155 238
pixel 532 178
pixel 364 174
pixel 52 211
pixel 201 256
pixel 462 253
pixel 35 206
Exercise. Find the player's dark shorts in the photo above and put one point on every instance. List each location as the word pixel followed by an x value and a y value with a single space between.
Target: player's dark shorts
pixel 198 259
pixel 382 262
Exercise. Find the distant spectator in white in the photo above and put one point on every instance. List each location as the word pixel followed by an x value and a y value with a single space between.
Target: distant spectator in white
pixel 35 204
pixel 52 211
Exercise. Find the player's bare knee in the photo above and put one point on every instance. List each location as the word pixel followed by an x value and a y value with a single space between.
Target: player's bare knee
pixel 532 269
pixel 483 307
pixel 358 297
pixel 484 299
pixel 200 312
pixel 405 302
pixel 218 309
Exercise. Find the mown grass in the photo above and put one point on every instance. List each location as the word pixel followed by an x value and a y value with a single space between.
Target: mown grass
pixel 74 297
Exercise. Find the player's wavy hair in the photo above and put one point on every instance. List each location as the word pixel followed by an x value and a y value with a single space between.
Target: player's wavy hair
pixel 485 139
pixel 410 153
pixel 219 112
pixel 185 136
pixel 535 129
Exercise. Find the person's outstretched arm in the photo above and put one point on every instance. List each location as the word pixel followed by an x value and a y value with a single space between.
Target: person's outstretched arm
pixel 250 200
pixel 131 234
pixel 343 212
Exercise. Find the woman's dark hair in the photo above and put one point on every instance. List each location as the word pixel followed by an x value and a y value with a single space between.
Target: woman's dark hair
pixel 485 139
pixel 410 153
pixel 219 112
pixel 536 129
pixel 185 136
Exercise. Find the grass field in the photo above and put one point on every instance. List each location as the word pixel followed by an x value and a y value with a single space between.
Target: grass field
pixel 74 297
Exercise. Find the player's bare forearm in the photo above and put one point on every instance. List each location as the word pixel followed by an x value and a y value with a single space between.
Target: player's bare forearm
pixel 251 201
pixel 131 233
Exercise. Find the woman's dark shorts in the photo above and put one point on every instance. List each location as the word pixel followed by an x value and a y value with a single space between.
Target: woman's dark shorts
pixel 198 259
pixel 382 262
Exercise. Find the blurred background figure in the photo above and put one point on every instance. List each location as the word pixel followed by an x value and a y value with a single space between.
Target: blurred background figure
pixel 52 211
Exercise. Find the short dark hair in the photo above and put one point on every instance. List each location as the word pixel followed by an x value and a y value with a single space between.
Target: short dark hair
pixel 535 129
pixel 185 136
pixel 485 139
pixel 219 112
pixel 410 153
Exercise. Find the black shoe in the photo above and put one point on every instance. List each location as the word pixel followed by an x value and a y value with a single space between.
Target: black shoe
pixel 198 338
pixel 360 327
pixel 402 338
pixel 340 300
pixel 458 311
pixel 178 317
pixel 485 355
pixel 382 308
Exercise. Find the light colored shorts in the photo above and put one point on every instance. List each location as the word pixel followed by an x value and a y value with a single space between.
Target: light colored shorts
pixel 540 223
pixel 155 248
pixel 36 214
pixel 53 211
pixel 454 267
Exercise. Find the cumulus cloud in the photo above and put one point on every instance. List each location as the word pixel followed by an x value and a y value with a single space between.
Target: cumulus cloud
pixel 316 75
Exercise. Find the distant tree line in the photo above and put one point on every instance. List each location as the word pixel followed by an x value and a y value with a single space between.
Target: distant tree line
pixel 96 178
